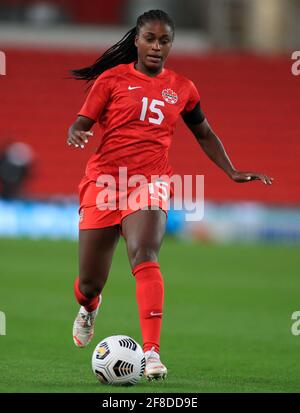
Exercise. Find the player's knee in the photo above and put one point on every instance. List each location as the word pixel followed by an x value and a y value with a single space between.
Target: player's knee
pixel 141 254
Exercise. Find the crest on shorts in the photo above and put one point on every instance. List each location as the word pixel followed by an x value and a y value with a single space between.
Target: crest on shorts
pixel 81 215
pixel 170 96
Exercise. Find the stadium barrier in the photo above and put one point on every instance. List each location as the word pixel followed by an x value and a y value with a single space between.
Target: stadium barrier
pixel 223 223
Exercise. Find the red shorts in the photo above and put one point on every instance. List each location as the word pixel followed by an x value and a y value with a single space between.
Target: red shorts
pixel 104 206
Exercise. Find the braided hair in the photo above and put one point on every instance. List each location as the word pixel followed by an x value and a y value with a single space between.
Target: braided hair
pixel 124 51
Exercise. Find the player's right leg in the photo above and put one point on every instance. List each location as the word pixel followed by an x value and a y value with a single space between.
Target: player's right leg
pixel 96 248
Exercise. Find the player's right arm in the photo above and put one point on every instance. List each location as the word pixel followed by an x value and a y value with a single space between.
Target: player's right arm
pixel 90 112
pixel 79 132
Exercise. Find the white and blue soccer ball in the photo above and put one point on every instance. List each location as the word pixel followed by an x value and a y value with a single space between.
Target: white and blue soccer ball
pixel 118 360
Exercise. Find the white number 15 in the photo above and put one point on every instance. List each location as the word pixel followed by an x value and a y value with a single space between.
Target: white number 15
pixel 153 108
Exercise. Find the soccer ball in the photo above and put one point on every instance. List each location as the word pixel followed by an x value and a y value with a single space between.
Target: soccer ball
pixel 118 360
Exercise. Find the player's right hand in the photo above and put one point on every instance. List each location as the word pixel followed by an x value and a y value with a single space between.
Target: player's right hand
pixel 77 138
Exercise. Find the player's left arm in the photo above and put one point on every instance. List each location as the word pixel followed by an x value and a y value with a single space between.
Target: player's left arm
pixel 214 149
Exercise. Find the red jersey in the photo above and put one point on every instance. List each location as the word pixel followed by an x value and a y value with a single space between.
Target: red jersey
pixel 137 115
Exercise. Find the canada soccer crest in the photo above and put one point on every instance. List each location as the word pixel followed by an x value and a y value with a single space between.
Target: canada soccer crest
pixel 170 96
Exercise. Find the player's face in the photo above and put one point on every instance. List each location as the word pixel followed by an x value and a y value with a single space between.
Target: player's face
pixel 154 43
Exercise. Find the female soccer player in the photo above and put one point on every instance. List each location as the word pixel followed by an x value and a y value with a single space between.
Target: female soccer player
pixel 136 102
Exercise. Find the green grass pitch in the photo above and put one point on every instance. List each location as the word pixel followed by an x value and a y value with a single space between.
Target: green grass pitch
pixel 226 327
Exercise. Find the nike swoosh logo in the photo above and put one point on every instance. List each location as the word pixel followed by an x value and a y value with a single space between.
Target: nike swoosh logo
pixel 154 314
pixel 134 87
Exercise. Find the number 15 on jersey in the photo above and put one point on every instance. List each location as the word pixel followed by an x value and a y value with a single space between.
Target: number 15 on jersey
pixel 153 109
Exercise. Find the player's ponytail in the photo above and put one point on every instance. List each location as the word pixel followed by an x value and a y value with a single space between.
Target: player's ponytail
pixel 124 51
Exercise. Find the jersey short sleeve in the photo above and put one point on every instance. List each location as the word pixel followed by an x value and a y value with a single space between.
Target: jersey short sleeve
pixel 193 98
pixel 96 99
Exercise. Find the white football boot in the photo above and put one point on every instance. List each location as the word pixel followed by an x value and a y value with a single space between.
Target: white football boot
pixel 154 370
pixel 83 327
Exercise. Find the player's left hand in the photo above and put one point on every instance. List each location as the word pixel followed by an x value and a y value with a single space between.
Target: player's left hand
pixel 241 177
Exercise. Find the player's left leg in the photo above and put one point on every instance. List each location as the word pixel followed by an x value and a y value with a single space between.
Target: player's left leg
pixel 143 231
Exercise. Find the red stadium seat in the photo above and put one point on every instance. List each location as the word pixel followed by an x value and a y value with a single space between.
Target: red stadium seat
pixel 252 102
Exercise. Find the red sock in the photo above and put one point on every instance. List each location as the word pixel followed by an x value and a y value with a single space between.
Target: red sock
pixel 150 298
pixel 90 304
